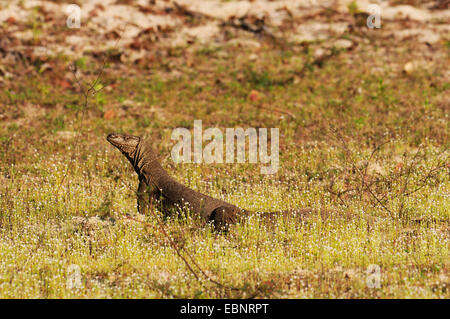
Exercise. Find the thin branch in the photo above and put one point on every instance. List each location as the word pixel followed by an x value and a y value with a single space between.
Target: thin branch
pixel 86 93
pixel 179 249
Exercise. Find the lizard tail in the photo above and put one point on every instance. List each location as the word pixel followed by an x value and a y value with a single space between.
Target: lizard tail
pixel 224 216
pixel 304 214
pixel 297 214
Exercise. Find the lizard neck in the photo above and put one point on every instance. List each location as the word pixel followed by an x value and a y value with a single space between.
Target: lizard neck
pixel 146 165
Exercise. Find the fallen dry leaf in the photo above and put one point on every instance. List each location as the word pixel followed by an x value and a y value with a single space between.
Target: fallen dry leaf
pixel 254 96
pixel 65 84
pixel 109 114
pixel 11 20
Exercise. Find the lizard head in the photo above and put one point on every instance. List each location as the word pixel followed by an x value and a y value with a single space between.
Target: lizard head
pixel 135 149
pixel 127 144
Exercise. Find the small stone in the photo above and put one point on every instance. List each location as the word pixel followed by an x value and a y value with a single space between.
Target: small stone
pixel 253 57
pixel 412 66
pixel 343 44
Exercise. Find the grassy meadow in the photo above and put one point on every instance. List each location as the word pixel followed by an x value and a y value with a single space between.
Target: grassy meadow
pixel 359 136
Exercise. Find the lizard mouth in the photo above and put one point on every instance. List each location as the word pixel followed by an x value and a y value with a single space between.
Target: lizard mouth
pixel 113 138
pixel 121 141
pixel 125 143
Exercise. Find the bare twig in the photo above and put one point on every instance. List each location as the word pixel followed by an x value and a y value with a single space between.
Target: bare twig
pixel 376 149
pixel 190 13
pixel 401 179
pixel 356 169
pixel 278 110
pixel 86 94
pixel 179 250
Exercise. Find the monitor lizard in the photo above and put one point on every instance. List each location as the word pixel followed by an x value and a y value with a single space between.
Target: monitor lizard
pixel 156 184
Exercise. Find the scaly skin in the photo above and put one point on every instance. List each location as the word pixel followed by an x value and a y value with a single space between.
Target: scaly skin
pixel 156 184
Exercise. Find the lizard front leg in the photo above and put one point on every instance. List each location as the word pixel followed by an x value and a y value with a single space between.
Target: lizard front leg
pixel 145 194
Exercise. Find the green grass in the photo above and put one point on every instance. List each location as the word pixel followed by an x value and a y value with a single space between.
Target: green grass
pixel 45 228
